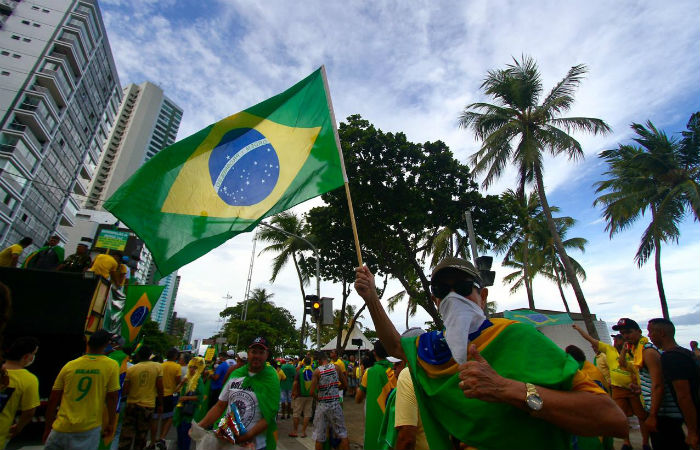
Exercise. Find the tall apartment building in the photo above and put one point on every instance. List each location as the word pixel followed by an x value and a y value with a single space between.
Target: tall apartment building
pixel 147 121
pixel 59 95
pixel 163 311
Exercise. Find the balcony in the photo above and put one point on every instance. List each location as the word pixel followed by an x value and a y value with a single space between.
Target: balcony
pixel 7 6
pixel 68 59
pixel 30 116
pixel 48 97
pixel 28 136
pixel 18 151
pixel 80 187
pixel 57 85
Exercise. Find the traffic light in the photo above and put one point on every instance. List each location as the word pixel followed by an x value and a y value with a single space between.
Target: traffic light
pixel 307 304
pixel 315 306
pixel 483 264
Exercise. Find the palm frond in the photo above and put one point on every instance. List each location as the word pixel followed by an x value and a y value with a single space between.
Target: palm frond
pixel 561 97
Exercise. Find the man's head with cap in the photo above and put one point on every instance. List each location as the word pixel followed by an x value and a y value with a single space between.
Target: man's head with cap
pixel 257 354
pixel 460 276
pixel 629 329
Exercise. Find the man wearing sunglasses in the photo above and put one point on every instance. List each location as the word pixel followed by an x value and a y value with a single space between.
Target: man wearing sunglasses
pixel 491 383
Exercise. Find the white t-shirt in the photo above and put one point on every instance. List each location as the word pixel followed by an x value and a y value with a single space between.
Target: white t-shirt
pixel 247 403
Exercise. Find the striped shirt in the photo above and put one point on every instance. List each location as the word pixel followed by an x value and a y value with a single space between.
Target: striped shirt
pixel 328 384
pixel 669 407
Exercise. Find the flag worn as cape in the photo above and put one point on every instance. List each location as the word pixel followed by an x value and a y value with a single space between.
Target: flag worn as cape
pixel 387 430
pixel 266 386
pixel 380 382
pixel 121 358
pixel 516 351
pixel 140 300
pixel 221 181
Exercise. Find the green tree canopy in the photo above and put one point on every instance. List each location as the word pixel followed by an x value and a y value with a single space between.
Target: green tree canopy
pixel 403 194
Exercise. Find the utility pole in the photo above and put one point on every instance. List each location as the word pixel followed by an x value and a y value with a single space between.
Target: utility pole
pixel 472 238
pixel 244 312
pixel 318 272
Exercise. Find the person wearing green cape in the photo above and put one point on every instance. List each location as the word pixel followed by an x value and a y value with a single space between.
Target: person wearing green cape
pixel 191 404
pixel 491 383
pixel 377 383
pixel 255 390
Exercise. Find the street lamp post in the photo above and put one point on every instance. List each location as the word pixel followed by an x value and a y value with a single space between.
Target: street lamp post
pixel 318 272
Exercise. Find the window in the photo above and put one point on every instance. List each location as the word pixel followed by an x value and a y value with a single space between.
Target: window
pixel 35 8
pixel 26 40
pixel 5 73
pixel 15 37
pixel 25 22
pixel 36 25
pixel 4 53
pixel 16 56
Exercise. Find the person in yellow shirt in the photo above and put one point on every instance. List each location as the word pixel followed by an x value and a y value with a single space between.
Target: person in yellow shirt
pixel 172 373
pixel 22 392
pixel 82 388
pixel 144 382
pixel 109 266
pixel 10 255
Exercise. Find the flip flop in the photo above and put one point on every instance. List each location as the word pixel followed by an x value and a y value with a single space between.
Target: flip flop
pixel 294 435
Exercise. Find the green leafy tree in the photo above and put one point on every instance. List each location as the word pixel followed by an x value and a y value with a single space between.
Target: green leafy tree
pixel 518 128
pixel 403 193
pixel 660 175
pixel 288 247
pixel 277 324
pixel 158 341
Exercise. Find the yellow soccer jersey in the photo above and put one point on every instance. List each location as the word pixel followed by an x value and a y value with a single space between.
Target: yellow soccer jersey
pixel 21 394
pixel 171 373
pixel 85 383
pixel 142 383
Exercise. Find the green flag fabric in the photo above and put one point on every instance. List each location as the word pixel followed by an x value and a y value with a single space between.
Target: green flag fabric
pixel 387 430
pixel 266 385
pixel 380 383
pixel 538 319
pixel 140 300
pixel 221 181
pixel 516 351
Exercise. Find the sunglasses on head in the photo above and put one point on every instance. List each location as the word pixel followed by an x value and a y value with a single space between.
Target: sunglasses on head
pixel 461 287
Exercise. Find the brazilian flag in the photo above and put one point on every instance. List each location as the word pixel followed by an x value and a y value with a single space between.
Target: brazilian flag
pixel 140 300
pixel 205 189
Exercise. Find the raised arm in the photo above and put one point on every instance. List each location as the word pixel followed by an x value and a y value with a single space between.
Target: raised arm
pixel 364 285
pixel 585 335
pixel 652 360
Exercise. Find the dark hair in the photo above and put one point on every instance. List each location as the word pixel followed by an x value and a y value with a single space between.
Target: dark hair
pixel 307 360
pixel 368 361
pixel 172 354
pixel 321 355
pixel 576 353
pixel 665 325
pixel 144 353
pixel 99 339
pixel 157 358
pixel 5 307
pixel 26 241
pixel 20 347
pixel 380 350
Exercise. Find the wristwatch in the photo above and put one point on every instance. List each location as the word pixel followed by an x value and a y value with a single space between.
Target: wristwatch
pixel 532 398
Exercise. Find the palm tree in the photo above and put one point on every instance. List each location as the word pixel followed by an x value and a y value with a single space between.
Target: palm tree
pixel 288 247
pixel 660 175
pixel 551 266
pixel 520 129
pixel 516 239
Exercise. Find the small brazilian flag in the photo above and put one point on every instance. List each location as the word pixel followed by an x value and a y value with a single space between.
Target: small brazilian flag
pixel 205 189
pixel 140 300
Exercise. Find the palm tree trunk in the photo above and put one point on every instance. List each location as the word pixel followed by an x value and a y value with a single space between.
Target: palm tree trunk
pixel 657 267
pixel 568 267
pixel 353 324
pixel 408 310
pixel 526 274
pixel 561 291
pixel 303 302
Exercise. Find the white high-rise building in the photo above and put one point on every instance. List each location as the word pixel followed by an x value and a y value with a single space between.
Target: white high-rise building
pixel 163 311
pixel 59 95
pixel 147 122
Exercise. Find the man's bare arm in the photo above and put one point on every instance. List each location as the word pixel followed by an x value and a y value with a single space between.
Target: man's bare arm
pixel 586 336
pixel 578 412
pixel 406 437
pixel 685 403
pixel 365 286
pixel 314 383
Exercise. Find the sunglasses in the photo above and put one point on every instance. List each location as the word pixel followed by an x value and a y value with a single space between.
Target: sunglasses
pixel 461 287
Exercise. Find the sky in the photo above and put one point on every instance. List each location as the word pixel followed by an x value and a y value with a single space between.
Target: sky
pixel 412 67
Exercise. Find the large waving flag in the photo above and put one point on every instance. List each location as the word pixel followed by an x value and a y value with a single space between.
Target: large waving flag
pixel 221 181
pixel 538 319
pixel 140 300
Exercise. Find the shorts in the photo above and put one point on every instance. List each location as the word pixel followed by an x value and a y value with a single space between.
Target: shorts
pixel 302 405
pixel 352 382
pixel 329 415
pixel 168 407
pixel 83 440
pixel 285 396
pixel 629 402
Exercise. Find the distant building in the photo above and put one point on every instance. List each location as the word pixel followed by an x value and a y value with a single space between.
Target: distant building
pixel 180 327
pixel 59 95
pixel 163 311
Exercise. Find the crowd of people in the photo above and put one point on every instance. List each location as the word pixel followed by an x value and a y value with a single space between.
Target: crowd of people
pixel 480 382
pixel 112 265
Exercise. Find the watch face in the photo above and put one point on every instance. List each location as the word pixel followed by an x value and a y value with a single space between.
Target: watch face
pixel 534 402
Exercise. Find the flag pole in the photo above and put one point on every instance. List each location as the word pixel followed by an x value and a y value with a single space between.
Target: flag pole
pixel 342 166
